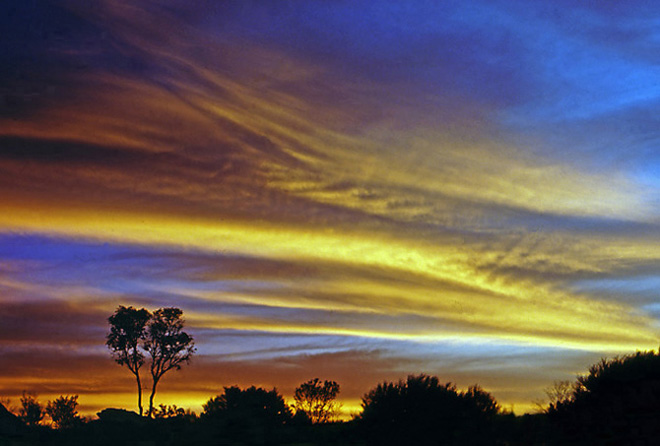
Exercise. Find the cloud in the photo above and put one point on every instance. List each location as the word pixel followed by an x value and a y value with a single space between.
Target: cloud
pixel 323 194
pixel 506 372
pixel 50 322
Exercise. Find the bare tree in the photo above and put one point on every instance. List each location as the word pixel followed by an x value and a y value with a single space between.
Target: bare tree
pixel 127 330
pixel 560 392
pixel 317 400
pixel 167 344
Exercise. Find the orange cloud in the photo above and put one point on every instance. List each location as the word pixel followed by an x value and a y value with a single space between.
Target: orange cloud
pixel 288 198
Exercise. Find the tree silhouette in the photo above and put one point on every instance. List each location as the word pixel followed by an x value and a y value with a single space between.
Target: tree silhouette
pixel 167 344
pixel 618 402
pixel 161 335
pixel 317 400
pixel 173 411
pixel 480 402
pixel 127 330
pixel 253 415
pixel 63 411
pixel 31 411
pixel 422 411
pixel 560 392
pixel 253 402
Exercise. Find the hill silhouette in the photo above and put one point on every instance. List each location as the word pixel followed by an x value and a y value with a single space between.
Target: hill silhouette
pixel 10 425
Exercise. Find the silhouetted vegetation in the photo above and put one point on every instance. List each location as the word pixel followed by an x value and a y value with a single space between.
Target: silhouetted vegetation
pixel 560 392
pixel 10 424
pixel 63 411
pixel 316 400
pixel 253 415
pixel 173 411
pixel 159 334
pixel 127 331
pixel 167 344
pixel 422 411
pixel 31 411
pixel 616 403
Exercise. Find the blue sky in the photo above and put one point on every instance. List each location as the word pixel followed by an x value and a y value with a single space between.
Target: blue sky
pixel 468 189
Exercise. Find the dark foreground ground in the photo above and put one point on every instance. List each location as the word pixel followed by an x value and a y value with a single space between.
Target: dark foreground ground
pixel 117 427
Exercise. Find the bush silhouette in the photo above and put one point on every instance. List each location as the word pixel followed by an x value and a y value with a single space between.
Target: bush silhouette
pixel 253 415
pixel 31 411
pixel 173 411
pixel 617 401
pixel 422 411
pixel 63 411
pixel 316 400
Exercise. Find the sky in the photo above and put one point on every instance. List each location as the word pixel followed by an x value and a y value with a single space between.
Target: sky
pixel 349 190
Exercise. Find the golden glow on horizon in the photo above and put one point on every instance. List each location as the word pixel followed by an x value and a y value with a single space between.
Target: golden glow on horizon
pixel 92 403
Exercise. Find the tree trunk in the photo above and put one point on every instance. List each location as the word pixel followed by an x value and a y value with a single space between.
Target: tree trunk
pixel 139 386
pixel 151 397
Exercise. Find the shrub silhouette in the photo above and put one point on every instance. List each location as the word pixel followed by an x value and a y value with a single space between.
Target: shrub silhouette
pixel 617 401
pixel 316 400
pixel 253 415
pixel 173 411
pixel 422 411
pixel 559 392
pixel 31 411
pixel 63 411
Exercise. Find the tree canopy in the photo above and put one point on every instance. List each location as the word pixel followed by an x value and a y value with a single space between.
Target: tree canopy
pixel 31 411
pixel 253 415
pixel 616 400
pixel 159 334
pixel 316 400
pixel 63 411
pixel 421 410
pixel 127 331
pixel 253 402
pixel 167 344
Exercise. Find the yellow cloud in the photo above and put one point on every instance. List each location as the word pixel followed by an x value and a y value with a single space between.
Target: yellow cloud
pixel 524 312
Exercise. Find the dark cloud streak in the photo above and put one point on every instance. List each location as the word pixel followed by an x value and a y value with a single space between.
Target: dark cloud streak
pixel 324 188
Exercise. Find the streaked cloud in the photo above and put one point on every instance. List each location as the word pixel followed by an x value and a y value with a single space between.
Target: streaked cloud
pixel 468 189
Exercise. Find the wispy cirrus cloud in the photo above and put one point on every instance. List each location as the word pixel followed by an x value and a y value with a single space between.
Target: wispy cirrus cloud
pixel 465 178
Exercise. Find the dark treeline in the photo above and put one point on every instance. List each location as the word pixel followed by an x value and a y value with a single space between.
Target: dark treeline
pixel 616 403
